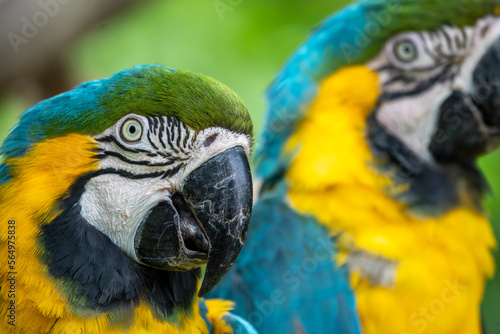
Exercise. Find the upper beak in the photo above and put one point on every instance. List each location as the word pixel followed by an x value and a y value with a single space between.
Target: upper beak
pixel 469 122
pixel 206 221
pixel 220 194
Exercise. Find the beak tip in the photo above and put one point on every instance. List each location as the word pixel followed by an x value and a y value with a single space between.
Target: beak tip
pixel 202 293
pixel 207 285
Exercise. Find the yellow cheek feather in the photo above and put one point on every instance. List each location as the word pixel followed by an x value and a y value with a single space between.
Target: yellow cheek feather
pixel 442 262
pixel 39 180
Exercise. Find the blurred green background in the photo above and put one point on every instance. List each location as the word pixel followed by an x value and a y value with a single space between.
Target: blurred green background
pixel 243 45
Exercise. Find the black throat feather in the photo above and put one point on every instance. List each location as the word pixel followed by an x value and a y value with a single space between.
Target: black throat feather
pixel 96 276
pixel 433 189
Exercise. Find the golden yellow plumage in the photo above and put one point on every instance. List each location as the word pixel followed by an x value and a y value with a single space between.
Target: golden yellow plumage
pixel 40 179
pixel 442 262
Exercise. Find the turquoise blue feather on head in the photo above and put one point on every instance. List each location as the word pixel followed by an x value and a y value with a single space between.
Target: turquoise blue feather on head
pixel 351 36
pixel 150 90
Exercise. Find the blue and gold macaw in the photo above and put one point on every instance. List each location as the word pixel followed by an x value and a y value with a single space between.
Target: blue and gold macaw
pixel 112 195
pixel 369 216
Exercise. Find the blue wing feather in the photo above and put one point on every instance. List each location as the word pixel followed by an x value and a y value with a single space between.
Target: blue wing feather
pixel 275 280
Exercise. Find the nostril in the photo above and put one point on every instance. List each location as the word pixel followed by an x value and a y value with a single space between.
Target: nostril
pixel 210 140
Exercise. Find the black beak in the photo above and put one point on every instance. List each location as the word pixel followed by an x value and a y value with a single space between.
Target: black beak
pixel 206 222
pixel 220 194
pixel 469 123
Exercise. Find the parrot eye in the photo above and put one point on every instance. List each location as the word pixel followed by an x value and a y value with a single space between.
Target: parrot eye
pixel 405 51
pixel 131 130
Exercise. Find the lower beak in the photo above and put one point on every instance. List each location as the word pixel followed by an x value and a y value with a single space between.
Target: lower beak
pixel 205 222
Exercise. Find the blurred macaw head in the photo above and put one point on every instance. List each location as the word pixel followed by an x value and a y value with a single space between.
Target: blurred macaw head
pixel 436 71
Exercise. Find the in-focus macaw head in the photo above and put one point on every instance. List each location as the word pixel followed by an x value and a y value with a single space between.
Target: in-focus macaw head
pixel 167 177
pixel 437 73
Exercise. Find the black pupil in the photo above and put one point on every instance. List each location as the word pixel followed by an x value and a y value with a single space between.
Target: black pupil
pixel 132 129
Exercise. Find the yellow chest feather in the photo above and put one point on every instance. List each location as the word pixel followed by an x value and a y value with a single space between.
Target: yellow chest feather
pixel 441 263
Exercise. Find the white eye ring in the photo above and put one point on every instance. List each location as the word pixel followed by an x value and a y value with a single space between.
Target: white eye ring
pixel 131 130
pixel 405 51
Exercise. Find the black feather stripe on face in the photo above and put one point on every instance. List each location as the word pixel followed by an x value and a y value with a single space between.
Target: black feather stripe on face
pixel 96 276
pixel 168 142
pixel 432 189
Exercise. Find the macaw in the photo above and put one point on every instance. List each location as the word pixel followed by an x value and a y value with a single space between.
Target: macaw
pixel 113 195
pixel 369 216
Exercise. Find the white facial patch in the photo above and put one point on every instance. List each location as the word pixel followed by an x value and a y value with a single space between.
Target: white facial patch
pixel 138 174
pixel 410 120
pixel 419 70
pixel 116 205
